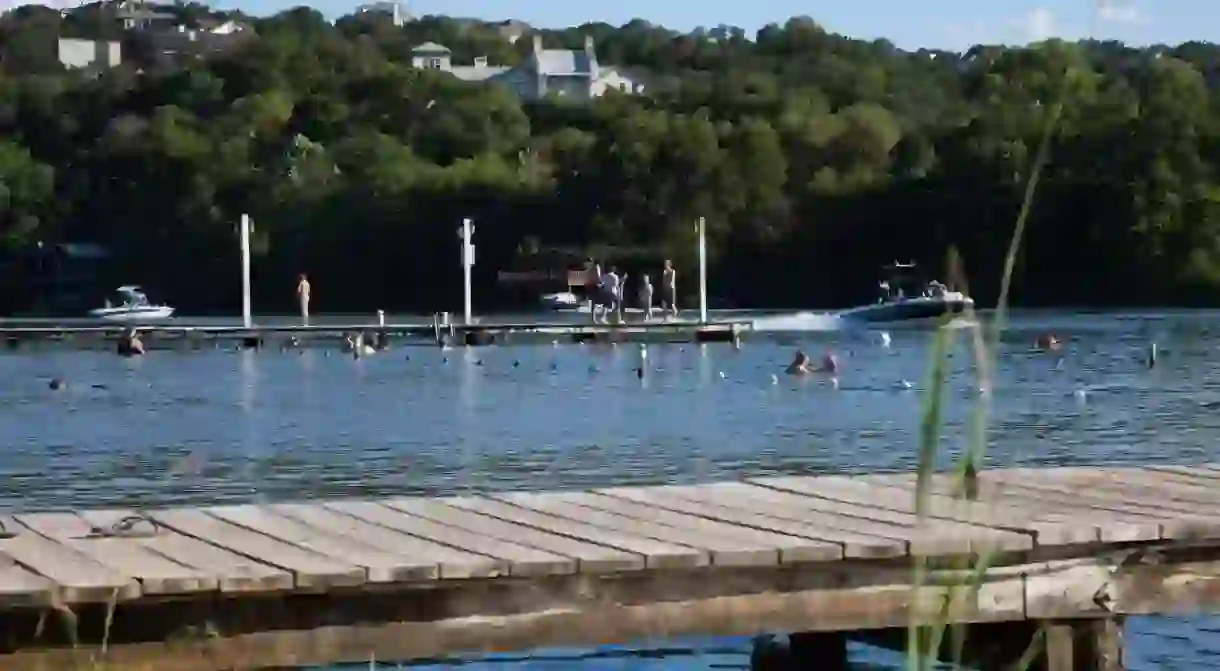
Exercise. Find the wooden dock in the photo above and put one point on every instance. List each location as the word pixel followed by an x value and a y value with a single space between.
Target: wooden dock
pixel 171 335
pixel 1062 553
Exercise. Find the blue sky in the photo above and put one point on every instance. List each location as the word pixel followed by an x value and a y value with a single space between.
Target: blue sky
pixel 948 24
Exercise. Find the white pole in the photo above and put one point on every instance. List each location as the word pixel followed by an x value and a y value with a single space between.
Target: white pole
pixel 467 262
pixel 702 271
pixel 246 321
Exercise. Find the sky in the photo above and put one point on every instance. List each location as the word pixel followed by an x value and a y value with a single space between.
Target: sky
pixel 910 24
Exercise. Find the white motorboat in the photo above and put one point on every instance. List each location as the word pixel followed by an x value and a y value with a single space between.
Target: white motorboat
pixel 930 300
pixel 563 300
pixel 134 307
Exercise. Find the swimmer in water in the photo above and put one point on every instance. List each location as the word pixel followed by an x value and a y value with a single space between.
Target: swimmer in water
pixel 1047 342
pixel 803 365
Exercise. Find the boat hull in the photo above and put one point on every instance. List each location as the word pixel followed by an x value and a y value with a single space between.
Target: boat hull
pixel 140 314
pixel 907 310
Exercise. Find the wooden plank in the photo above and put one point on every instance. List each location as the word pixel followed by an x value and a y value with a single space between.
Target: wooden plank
pixel 714 549
pixel 700 503
pixel 451 563
pixel 1127 505
pixel 859 493
pixel 591 557
pixel 379 565
pixel 763 548
pixel 309 569
pixel 657 554
pixel 515 559
pixel 920 537
pixel 157 574
pixel 234 573
pixel 78 578
pixel 22 588
pixel 1176 490
pixel 1115 521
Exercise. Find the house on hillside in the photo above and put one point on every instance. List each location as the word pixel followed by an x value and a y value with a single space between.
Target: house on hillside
pixel 77 54
pixel 569 73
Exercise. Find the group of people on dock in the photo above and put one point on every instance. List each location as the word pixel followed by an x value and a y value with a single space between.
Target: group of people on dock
pixel 605 293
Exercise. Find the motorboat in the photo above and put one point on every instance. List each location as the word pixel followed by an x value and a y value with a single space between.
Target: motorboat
pixel 563 300
pixel 906 297
pixel 134 306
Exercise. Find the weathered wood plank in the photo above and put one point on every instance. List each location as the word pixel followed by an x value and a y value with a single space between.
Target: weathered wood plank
pixel 310 569
pixel 1115 521
pixel 379 565
pixel 921 537
pixel 785 549
pixel 1057 531
pixel 78 578
pixel 451 563
pixel 693 501
pixel 234 573
pixel 157 574
pixel 592 558
pixel 22 588
pixel 657 554
pixel 515 559
pixel 714 550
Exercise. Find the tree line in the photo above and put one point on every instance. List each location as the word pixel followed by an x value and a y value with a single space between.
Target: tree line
pixel 814 158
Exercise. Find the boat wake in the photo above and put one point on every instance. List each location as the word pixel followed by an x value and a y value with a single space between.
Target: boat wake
pixel 799 321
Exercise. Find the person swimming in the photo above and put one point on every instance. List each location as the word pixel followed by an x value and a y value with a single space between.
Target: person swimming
pixel 803 365
pixel 129 344
pixel 1047 342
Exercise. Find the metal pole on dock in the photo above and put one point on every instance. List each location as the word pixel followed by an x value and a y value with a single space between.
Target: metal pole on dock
pixel 466 233
pixel 700 228
pixel 246 319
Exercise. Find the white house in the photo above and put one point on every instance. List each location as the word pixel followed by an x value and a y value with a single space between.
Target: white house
pixel 570 73
pixel 397 11
pixel 101 54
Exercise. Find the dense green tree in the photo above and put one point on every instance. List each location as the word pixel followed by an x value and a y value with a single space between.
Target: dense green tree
pixel 813 157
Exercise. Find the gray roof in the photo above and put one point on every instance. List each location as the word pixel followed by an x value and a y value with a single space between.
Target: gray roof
pixel 565 62
pixel 431 48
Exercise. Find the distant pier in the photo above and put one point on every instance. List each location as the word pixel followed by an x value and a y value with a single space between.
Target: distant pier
pixel 183 334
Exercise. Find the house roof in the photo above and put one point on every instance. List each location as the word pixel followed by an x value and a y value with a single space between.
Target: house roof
pixel 564 62
pixel 431 48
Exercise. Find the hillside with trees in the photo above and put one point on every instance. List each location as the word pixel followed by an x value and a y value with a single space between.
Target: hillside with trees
pixel 814 157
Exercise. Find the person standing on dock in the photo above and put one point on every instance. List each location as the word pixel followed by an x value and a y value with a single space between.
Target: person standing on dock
pixel 610 292
pixel 669 289
pixel 303 297
pixel 593 287
pixel 646 296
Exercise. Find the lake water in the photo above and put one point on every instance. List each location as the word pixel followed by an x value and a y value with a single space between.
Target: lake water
pixel 226 425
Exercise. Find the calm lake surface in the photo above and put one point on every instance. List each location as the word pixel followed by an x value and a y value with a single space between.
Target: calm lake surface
pixel 182 427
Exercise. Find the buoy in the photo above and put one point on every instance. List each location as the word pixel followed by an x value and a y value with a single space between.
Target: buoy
pixel 1152 355
pixel 774 378
pixel 57 384
pixel 885 339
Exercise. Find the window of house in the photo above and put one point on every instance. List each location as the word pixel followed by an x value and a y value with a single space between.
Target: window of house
pixel 434 63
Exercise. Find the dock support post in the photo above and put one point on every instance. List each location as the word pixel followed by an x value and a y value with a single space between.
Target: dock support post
pixel 702 235
pixel 1085 645
pixel 246 320
pixel 467 262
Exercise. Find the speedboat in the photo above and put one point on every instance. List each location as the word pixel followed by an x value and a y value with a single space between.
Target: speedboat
pixel 929 300
pixel 134 307
pixel 563 300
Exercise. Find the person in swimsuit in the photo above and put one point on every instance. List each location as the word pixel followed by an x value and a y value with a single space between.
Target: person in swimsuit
pixel 669 289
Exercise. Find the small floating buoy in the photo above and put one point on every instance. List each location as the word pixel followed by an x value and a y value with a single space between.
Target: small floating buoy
pixel 1151 358
pixel 885 339
pixel 57 384
pixel 774 378
pixel 722 376
pixel 516 363
pixel 905 384
pixel 639 372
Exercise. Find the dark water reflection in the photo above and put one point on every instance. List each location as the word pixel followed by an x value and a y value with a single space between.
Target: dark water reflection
pixel 210 426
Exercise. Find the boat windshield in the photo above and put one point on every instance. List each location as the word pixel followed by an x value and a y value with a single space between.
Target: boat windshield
pixel 131 296
pixel 902 280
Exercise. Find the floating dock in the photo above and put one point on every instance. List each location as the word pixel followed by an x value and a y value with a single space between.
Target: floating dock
pixel 179 335
pixel 1056 555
